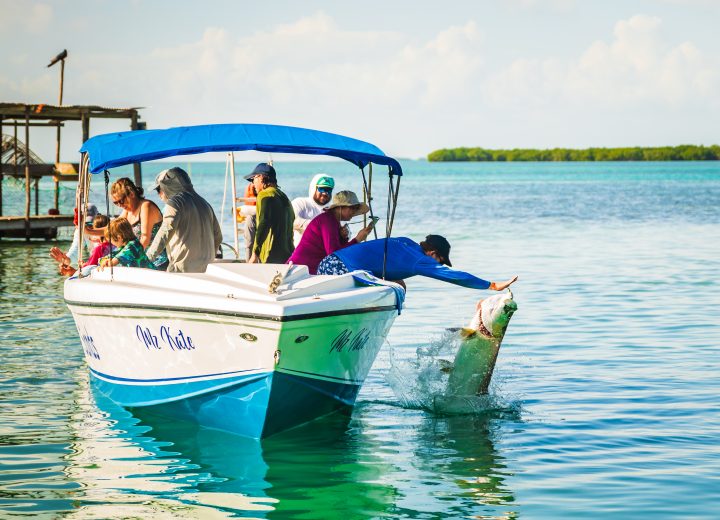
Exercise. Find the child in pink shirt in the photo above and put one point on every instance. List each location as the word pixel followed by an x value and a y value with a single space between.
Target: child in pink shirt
pixel 102 248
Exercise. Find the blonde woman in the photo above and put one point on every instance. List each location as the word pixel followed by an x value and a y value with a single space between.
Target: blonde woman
pixel 143 215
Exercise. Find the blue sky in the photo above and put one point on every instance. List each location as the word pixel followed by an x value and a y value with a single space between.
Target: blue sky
pixel 407 76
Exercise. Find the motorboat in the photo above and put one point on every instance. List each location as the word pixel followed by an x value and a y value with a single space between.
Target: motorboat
pixel 253 349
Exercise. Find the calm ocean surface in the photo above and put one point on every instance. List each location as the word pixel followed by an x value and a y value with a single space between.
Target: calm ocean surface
pixel 605 401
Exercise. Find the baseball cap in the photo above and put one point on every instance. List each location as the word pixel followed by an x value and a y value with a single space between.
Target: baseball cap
pixel 262 169
pixel 441 245
pixel 325 182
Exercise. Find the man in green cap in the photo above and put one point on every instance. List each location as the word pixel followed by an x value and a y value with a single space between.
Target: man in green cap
pixel 307 208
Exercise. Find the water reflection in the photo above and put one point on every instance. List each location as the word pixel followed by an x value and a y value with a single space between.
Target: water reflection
pixel 148 466
pixel 470 460
pixel 444 465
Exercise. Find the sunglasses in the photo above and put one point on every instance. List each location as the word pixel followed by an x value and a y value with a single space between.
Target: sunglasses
pixel 120 201
pixel 324 190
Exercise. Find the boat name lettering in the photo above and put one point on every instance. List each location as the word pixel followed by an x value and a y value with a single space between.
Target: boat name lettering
pixel 147 337
pixel 347 341
pixel 89 345
pixel 175 340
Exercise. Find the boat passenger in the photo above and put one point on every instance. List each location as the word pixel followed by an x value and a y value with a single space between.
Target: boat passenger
pixel 405 258
pixel 130 252
pixel 325 234
pixel 273 242
pixel 143 214
pixel 307 208
pixel 102 248
pixel 90 212
pixel 190 233
pixel 249 211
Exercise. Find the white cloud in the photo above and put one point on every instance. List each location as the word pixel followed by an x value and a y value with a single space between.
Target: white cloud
pixel 636 67
pixel 308 67
pixel 33 17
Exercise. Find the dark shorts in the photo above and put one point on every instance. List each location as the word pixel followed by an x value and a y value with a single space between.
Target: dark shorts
pixel 331 264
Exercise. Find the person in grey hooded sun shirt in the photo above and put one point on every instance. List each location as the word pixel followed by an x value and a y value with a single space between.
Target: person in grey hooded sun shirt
pixel 190 232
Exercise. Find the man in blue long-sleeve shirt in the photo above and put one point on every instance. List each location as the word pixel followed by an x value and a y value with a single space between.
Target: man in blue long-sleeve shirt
pixel 405 258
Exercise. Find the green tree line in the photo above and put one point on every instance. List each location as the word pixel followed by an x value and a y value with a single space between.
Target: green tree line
pixel 686 152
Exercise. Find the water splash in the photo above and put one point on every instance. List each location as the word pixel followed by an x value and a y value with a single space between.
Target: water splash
pixel 421 382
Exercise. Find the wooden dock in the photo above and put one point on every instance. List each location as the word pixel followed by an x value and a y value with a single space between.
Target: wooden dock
pixel 34 226
pixel 19 162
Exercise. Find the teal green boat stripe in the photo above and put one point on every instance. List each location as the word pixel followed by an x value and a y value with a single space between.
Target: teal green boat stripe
pixel 344 380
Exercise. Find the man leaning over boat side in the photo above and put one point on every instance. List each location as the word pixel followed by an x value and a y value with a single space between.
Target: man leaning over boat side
pixel 307 208
pixel 274 218
pixel 405 258
pixel 190 232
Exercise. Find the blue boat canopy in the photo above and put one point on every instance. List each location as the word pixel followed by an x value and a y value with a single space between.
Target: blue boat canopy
pixel 121 148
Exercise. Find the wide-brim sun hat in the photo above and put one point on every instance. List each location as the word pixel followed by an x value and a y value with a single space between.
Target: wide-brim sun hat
pixel 348 198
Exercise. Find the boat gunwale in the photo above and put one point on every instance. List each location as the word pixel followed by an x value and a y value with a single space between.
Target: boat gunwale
pixel 216 312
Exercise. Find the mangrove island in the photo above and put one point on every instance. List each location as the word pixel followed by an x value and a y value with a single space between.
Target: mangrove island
pixel 686 152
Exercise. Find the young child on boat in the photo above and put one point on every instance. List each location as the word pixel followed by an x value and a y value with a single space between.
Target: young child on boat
pixel 102 248
pixel 130 251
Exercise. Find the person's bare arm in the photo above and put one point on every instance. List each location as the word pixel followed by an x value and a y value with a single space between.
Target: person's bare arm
pixel 364 232
pixel 501 286
pixel 60 257
pixel 161 238
pixel 106 262
pixel 98 232
pixel 146 224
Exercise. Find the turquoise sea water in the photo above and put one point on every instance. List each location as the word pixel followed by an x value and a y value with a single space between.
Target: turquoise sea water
pixel 604 404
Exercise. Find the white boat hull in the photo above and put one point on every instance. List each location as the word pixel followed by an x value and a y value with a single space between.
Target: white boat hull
pixel 219 349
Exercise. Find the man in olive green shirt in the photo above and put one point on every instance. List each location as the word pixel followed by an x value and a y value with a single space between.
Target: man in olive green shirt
pixel 274 220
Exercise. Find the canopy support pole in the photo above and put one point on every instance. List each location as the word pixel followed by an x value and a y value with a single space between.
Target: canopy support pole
pixel 391 206
pixel 234 202
pixel 367 195
pixel 81 197
pixel 107 207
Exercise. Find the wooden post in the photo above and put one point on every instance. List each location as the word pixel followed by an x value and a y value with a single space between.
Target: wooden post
pixel 27 174
pixel 56 198
pixel 57 142
pixel 1 170
pixel 62 77
pixel 137 172
pixel 85 121
pixel 15 155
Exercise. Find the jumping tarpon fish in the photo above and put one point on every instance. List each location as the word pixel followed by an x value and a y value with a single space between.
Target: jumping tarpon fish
pixel 473 366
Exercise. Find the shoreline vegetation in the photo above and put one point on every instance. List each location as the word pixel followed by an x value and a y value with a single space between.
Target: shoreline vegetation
pixel 685 152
